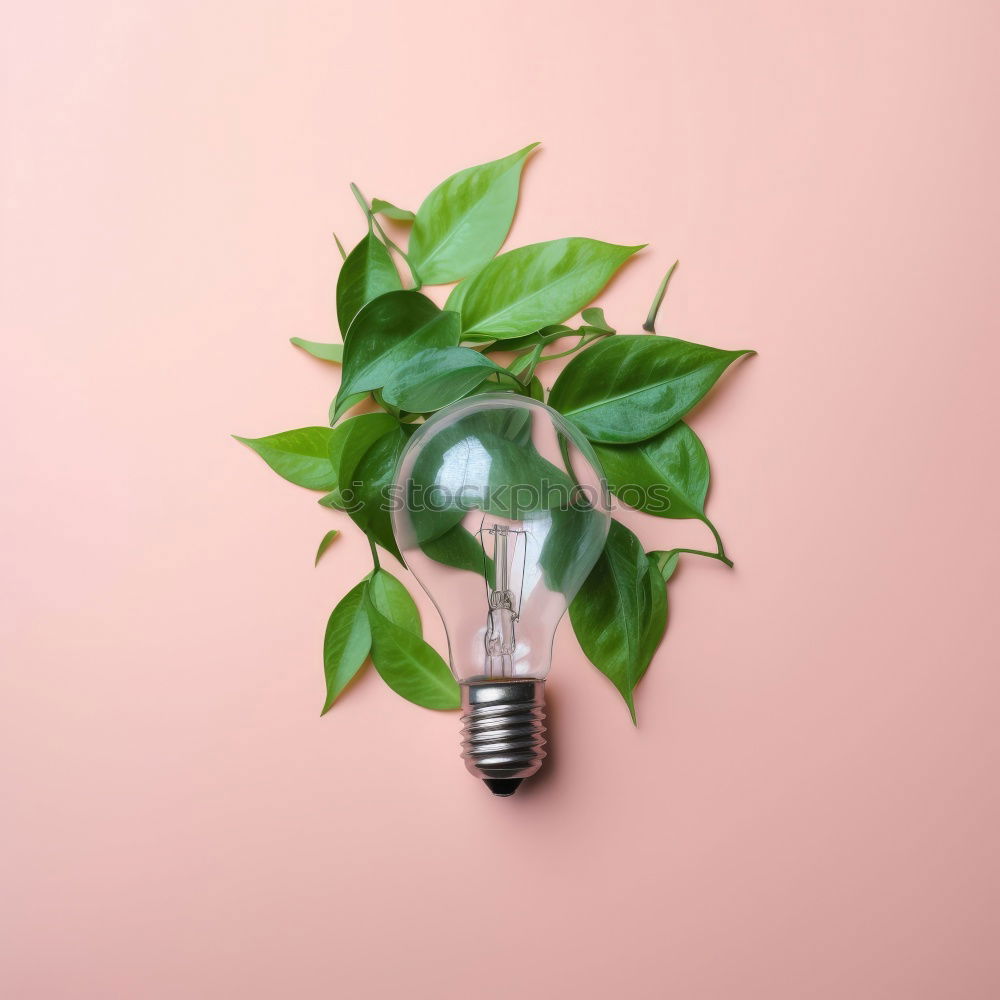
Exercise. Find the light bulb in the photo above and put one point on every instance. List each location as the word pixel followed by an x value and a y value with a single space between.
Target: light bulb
pixel 500 511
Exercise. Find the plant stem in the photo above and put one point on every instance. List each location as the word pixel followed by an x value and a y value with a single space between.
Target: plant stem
pixel 567 460
pixel 371 545
pixel 340 247
pixel 529 368
pixel 721 557
pixel 718 542
pixel 584 340
pixel 373 221
pixel 658 299
pixel 518 386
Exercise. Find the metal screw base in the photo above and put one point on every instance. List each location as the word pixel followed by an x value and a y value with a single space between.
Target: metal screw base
pixel 503 734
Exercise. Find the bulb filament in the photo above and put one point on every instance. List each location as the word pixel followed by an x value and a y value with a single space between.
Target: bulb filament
pixel 501 635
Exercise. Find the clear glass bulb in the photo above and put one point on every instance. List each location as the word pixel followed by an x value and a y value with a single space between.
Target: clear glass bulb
pixel 500 512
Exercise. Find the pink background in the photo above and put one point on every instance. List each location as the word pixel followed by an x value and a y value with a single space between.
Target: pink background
pixel 809 807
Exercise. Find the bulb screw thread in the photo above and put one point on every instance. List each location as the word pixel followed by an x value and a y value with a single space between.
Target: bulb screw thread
pixel 503 731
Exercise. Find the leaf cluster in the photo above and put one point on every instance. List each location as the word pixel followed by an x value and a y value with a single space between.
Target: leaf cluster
pixel 405 358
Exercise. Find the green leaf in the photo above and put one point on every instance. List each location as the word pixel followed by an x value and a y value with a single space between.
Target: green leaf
pixel 386 405
pixel 574 536
pixel 492 455
pixel 613 611
pixel 458 547
pixel 348 443
pixel 456 297
pixel 409 665
pixel 351 439
pixel 540 338
pixel 393 600
pixel 325 544
pixel 525 361
pixel 367 273
pixel 653 612
pixel 547 335
pixel 534 286
pixel 666 562
pixel 489 386
pixel 463 222
pixel 388 332
pixel 437 377
pixel 325 352
pixel 594 319
pixel 333 501
pixel 301 456
pixel 666 475
pixel 629 388
pixel 390 211
pixel 505 436
pixel 347 643
pixel 341 404
pixel 370 484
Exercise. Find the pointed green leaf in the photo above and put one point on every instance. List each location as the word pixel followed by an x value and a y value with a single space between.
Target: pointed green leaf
pixel 347 643
pixel 389 331
pixel 325 352
pixel 611 614
pixel 369 487
pixel 333 501
pixel 547 335
pixel 437 377
pixel 666 475
pixel 390 211
pixel 594 319
pixel 301 456
pixel 393 600
pixel 463 222
pixel 525 361
pixel 346 444
pixel 629 388
pixel 456 297
pixel 351 439
pixel 666 562
pixel 367 273
pixel 652 613
pixel 458 547
pixel 327 541
pixel 339 405
pixel 409 665
pixel 534 286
